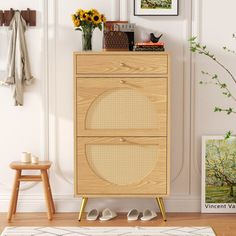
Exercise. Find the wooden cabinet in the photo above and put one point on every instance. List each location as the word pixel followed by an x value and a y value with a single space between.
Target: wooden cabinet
pixel 121 102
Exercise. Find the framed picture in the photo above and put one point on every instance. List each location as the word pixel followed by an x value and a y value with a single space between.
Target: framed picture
pixel 156 7
pixel 218 174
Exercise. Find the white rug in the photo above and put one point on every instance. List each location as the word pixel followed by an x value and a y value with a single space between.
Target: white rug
pixel 108 231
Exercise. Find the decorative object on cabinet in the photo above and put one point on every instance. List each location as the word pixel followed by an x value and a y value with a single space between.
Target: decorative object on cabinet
pixel 86 21
pixel 43 167
pixel 122 114
pixel 149 46
pixel 122 26
pixel 218 174
pixel 155 39
pixel 152 45
pixel 28 15
pixel 156 7
pixel 115 41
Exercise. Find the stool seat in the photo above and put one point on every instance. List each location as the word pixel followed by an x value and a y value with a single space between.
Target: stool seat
pixel 43 167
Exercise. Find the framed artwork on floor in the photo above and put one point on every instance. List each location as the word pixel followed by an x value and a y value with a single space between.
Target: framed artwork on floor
pixel 156 7
pixel 218 174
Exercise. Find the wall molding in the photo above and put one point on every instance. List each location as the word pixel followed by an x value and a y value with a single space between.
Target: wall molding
pixel 52 98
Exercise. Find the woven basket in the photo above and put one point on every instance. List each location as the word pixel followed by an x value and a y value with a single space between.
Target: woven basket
pixel 116 41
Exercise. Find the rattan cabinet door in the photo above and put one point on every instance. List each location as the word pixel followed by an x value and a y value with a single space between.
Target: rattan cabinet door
pixel 121 106
pixel 121 166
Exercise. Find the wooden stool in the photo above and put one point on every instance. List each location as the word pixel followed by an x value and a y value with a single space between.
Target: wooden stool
pixel 42 166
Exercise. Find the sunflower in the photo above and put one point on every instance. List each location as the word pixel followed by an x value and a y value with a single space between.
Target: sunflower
pixel 89 18
pixel 73 17
pixel 83 15
pixel 76 22
pixel 94 11
pixel 103 18
pixel 78 12
pixel 96 19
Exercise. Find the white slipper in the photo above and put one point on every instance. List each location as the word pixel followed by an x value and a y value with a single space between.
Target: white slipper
pixel 148 215
pixel 133 215
pixel 92 215
pixel 107 214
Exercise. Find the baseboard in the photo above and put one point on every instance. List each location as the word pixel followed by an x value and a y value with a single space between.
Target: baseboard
pixel 67 203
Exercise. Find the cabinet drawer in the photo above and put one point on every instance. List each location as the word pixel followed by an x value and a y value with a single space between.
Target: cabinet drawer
pixel 105 64
pixel 121 166
pixel 116 106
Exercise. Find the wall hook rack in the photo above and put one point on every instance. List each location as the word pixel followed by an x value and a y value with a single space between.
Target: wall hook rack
pixel 28 15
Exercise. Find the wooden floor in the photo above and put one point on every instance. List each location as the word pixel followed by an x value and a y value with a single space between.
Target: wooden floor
pixel 223 225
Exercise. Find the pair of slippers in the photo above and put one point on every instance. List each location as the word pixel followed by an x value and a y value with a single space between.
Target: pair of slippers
pixel 107 214
pixel 147 215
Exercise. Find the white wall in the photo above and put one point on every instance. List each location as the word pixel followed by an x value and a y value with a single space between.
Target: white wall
pixel 44 125
pixel 22 128
pixel 214 27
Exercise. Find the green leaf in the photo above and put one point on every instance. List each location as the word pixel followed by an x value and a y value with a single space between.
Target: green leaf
pixel 192 39
pixel 100 27
pixel 228 135
pixel 217 109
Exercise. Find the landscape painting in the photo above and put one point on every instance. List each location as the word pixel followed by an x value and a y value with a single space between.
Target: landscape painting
pixel 156 7
pixel 156 4
pixel 218 175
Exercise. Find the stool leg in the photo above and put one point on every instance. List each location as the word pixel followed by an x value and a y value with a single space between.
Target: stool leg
pixel 50 196
pixel 82 207
pixel 17 194
pixel 14 195
pixel 46 192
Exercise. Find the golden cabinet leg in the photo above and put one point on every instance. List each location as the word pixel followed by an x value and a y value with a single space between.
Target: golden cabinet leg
pixel 14 196
pixel 161 205
pixel 82 207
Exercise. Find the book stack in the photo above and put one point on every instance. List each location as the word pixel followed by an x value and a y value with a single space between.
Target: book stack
pixel 123 26
pixel 150 46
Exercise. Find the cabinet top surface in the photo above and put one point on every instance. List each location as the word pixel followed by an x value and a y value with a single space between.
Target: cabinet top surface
pixel 119 53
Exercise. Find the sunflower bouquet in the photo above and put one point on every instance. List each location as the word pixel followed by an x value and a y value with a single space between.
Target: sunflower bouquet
pixel 86 21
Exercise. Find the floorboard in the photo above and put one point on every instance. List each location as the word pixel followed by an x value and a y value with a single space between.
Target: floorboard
pixel 223 224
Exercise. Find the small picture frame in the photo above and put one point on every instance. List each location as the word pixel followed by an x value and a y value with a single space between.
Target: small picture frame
pixel 218 174
pixel 156 7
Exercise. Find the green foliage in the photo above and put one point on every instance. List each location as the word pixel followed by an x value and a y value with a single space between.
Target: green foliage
pixel 196 47
pixel 219 194
pixel 221 168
